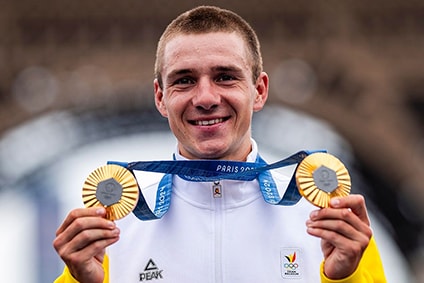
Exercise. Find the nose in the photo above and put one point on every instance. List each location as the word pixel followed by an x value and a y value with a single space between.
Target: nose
pixel 206 96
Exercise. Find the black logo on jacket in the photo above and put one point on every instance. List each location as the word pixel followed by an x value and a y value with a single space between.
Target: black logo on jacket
pixel 151 272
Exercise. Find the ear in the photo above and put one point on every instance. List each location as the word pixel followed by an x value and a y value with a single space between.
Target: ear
pixel 159 97
pixel 262 87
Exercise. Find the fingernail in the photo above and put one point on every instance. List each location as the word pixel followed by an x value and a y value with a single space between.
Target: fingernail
pixel 313 214
pixel 115 232
pixel 335 202
pixel 100 211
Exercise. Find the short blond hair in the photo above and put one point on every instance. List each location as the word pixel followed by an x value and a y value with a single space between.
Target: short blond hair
pixel 205 19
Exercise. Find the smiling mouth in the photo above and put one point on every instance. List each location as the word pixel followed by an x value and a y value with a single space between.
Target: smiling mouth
pixel 208 122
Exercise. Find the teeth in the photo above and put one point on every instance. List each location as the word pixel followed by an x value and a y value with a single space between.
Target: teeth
pixel 209 122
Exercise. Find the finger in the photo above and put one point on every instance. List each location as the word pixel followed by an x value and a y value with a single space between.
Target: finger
pixel 85 225
pixel 342 216
pixel 80 212
pixel 340 241
pixel 340 227
pixel 88 242
pixel 88 237
pixel 338 234
pixel 354 202
pixel 93 241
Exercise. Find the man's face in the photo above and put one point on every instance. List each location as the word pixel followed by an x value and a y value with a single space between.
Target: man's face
pixel 208 95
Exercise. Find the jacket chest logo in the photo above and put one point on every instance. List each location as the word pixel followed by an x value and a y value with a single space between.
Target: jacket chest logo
pixel 291 263
pixel 151 272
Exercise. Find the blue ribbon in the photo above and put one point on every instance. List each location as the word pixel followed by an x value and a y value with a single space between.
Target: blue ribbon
pixel 213 170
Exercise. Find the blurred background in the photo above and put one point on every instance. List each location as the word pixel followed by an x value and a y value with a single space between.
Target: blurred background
pixel 76 91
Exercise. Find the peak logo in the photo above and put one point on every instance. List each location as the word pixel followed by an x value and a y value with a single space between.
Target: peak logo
pixel 151 272
pixel 291 266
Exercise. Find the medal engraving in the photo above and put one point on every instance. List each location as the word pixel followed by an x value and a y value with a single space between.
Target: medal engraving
pixel 109 192
pixel 325 179
pixel 113 187
pixel 321 176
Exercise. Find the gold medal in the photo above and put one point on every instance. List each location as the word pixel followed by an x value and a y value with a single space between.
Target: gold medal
pixel 113 187
pixel 321 176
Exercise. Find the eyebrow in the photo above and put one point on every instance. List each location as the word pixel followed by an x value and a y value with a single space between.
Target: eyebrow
pixel 179 72
pixel 229 68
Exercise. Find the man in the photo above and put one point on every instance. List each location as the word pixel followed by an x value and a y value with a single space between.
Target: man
pixel 209 82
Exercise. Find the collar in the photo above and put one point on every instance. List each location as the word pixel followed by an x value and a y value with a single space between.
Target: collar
pixel 233 193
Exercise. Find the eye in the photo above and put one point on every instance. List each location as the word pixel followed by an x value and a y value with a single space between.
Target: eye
pixel 225 78
pixel 184 81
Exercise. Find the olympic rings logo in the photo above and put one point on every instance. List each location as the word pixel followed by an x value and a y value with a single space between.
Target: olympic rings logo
pixel 292 266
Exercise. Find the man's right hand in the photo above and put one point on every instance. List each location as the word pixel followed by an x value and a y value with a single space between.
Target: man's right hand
pixel 81 242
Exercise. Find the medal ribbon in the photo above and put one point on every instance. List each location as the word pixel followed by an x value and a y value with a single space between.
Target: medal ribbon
pixel 213 170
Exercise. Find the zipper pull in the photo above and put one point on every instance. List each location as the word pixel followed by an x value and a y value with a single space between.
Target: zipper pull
pixel 216 189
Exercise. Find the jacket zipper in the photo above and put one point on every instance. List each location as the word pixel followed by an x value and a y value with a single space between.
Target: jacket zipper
pixel 217 193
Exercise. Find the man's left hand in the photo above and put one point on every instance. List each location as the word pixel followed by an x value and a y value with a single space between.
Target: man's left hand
pixel 344 229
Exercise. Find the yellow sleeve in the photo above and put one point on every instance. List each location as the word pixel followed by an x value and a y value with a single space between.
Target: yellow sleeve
pixel 66 276
pixel 370 268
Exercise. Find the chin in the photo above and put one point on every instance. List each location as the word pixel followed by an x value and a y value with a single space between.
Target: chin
pixel 211 153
